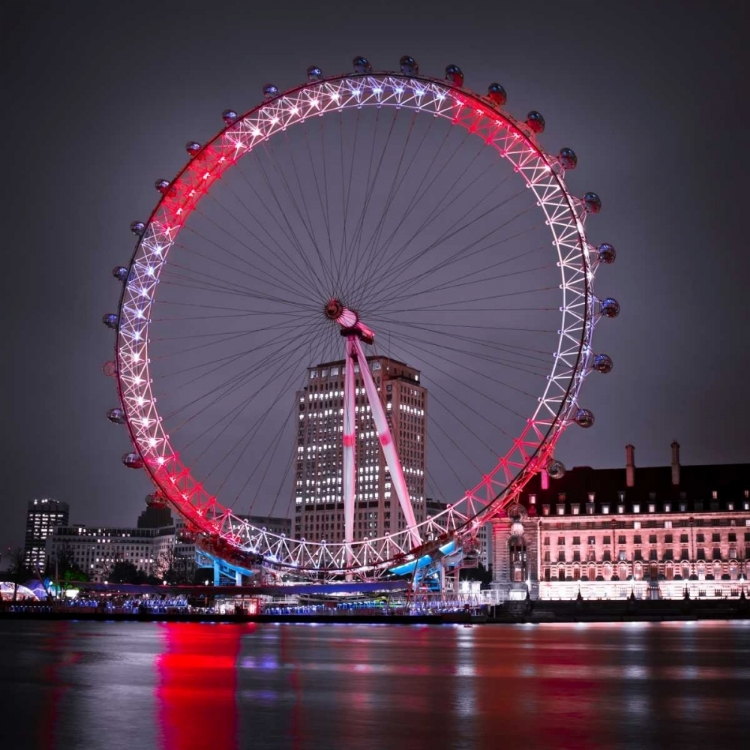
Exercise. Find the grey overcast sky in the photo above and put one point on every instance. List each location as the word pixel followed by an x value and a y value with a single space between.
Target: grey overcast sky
pixel 100 98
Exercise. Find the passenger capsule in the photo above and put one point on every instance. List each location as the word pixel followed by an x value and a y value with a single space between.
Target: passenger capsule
pixel 109 369
pixel 269 91
pixel 555 469
pixel 361 65
pixel 606 253
pixel 592 203
pixel 584 418
pixel 138 228
pixel 116 416
pixel 156 500
pixel 132 460
pixel 603 363
pixel 455 75
pixel 409 66
pixel 120 273
pixel 162 186
pixel 229 116
pixel 567 157
pixel 314 73
pixel 111 320
pixel 496 94
pixel 610 307
pixel 535 121
pixel 193 147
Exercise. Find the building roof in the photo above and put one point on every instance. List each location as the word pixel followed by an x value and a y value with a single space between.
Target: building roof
pixel 652 484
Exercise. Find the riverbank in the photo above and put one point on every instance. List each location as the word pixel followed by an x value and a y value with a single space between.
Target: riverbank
pixel 537 612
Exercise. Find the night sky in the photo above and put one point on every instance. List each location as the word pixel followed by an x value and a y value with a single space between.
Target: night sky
pixel 100 100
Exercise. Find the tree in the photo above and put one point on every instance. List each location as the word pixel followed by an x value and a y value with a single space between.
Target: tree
pixel 124 571
pixel 177 569
pixel 64 569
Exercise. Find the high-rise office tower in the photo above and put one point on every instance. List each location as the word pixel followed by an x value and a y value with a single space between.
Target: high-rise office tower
pixel 42 517
pixel 318 491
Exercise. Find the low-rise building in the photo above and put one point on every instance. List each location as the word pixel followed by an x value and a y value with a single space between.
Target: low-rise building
pixel 95 550
pixel 654 532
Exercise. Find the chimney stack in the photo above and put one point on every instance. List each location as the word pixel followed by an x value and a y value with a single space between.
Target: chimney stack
pixel 545 479
pixel 675 463
pixel 630 465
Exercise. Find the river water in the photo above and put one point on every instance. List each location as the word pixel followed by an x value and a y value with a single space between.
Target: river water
pixel 241 687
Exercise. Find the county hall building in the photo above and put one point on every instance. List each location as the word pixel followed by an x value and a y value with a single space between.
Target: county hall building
pixel 656 532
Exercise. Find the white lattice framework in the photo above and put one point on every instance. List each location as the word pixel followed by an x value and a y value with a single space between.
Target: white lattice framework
pixel 217 527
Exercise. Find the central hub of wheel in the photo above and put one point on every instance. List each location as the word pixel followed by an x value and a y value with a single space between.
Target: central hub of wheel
pixel 334 309
pixel 349 321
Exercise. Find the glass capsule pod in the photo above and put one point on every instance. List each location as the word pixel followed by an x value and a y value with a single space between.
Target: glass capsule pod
pixel 361 65
pixel 606 253
pixel 132 460
pixel 270 91
pixel 496 94
pixel 603 363
pixel 610 307
pixel 408 66
pixel 567 157
pixel 455 75
pixel 535 121
pixel 116 416
pixel 592 203
pixel 555 469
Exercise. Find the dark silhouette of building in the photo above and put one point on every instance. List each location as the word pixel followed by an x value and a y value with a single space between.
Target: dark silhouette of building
pixel 155 518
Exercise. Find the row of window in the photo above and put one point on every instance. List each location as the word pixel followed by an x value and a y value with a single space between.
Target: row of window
pixel 668 554
pixel 621 508
pixel 700 537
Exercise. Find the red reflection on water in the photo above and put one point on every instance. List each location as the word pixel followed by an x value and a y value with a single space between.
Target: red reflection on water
pixel 542 677
pixel 196 692
pixel 49 716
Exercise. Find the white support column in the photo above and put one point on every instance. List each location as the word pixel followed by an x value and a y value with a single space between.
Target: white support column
pixel 386 441
pixel 349 442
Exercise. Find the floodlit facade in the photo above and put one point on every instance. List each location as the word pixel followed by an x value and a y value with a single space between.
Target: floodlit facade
pixel 656 532
pixel 96 549
pixel 318 491
pixel 42 517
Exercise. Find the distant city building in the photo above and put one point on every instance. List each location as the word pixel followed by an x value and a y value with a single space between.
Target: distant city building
pixel 95 550
pixel 318 498
pixel 656 532
pixel 155 518
pixel 42 517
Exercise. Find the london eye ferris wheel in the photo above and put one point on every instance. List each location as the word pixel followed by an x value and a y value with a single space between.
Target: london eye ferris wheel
pixel 352 234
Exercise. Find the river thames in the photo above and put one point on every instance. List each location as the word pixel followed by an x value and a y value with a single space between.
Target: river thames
pixel 193 686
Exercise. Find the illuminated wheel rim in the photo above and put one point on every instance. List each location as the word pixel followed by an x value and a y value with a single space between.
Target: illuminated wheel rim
pixel 219 529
